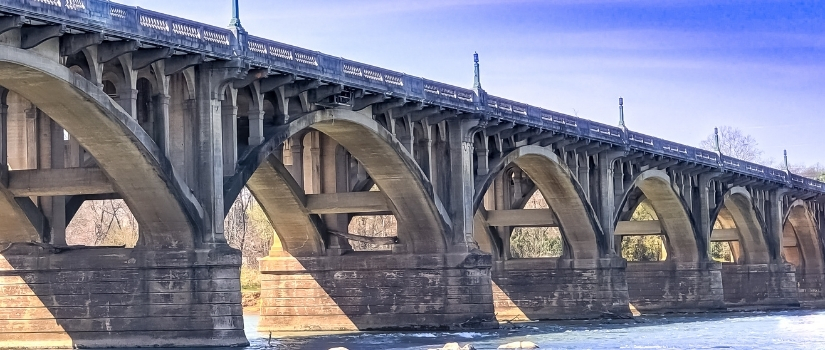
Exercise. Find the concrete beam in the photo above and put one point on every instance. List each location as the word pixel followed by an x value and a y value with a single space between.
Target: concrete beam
pixel 177 64
pixel 522 218
pixel 274 82
pixel 74 43
pixel 347 203
pixel 8 23
pixel 638 228
pixel 114 49
pixel 59 182
pixel 654 227
pixel 322 92
pixel 143 58
pixel 724 235
pixel 251 77
pixel 36 35
pixel 366 101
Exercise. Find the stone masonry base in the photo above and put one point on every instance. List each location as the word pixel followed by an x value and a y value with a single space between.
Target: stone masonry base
pixel 666 286
pixel 367 291
pixel 558 289
pixel 94 298
pixel 759 286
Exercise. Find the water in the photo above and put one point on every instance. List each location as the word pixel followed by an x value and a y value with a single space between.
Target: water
pixel 755 330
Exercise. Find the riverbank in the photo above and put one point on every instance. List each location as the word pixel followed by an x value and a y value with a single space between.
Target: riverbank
pixel 250 291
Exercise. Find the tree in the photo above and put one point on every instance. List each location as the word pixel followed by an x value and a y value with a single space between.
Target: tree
pixel 734 143
pixel 816 171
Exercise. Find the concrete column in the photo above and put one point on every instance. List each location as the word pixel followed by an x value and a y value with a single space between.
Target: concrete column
pixel 256 127
pixel 705 225
pixel 483 156
pixel 162 122
pixel 296 145
pixel 211 81
pixel 335 163
pixel 583 165
pixel 229 118
pixel 607 200
pixel 775 224
pixel 462 184
pixel 314 185
pixel 57 218
pixel 127 98
pixel 74 156
pixel 31 138
pixel 4 136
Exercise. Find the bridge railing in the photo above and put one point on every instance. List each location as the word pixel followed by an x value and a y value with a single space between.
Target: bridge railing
pixel 189 36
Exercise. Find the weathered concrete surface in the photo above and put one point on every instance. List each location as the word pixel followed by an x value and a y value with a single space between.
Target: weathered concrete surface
pixel 376 292
pixel 558 289
pixel 663 287
pixel 114 297
pixel 811 286
pixel 124 151
pixel 759 286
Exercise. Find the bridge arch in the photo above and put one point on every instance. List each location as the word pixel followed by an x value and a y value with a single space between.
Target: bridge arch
pixel 580 229
pixel 738 212
pixel 801 241
pixel 142 175
pixel 678 228
pixel 423 224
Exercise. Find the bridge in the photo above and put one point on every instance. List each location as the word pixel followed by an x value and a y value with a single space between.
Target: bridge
pixel 176 117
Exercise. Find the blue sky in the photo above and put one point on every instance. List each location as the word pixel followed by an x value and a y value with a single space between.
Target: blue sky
pixel 683 67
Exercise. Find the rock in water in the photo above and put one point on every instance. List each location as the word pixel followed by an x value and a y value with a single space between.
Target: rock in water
pixel 455 346
pixel 339 348
pixel 519 345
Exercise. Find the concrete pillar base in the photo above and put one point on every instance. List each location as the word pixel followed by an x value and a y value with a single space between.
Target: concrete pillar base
pixel 559 289
pixel 810 286
pixel 114 297
pixel 666 286
pixel 759 286
pixel 369 291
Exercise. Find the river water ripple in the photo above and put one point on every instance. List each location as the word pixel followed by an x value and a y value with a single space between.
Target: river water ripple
pixel 755 330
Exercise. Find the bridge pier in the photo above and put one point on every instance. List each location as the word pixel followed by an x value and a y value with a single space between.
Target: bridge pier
pixel 557 289
pixel 759 286
pixel 668 286
pixel 115 297
pixel 376 292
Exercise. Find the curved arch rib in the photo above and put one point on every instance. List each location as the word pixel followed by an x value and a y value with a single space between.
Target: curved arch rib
pixel 284 203
pixel 808 240
pixel 673 216
pixel 166 213
pixel 423 224
pixel 751 233
pixel 563 194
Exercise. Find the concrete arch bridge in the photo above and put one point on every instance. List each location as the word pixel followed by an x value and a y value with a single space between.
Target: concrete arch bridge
pixel 175 117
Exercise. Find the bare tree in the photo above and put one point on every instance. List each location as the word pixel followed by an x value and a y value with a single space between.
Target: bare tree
pixel 734 143
pixel 816 171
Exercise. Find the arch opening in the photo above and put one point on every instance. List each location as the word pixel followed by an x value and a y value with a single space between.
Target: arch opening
pixel 673 221
pixel 323 140
pixel 567 219
pixel 738 234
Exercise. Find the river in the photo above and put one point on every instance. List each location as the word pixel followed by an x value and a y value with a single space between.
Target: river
pixel 799 329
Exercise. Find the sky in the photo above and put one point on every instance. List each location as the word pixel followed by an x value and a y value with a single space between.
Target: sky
pixel 683 67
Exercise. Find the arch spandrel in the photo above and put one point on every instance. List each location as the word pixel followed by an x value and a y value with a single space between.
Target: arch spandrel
pixel 672 213
pixel 166 213
pixel 563 193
